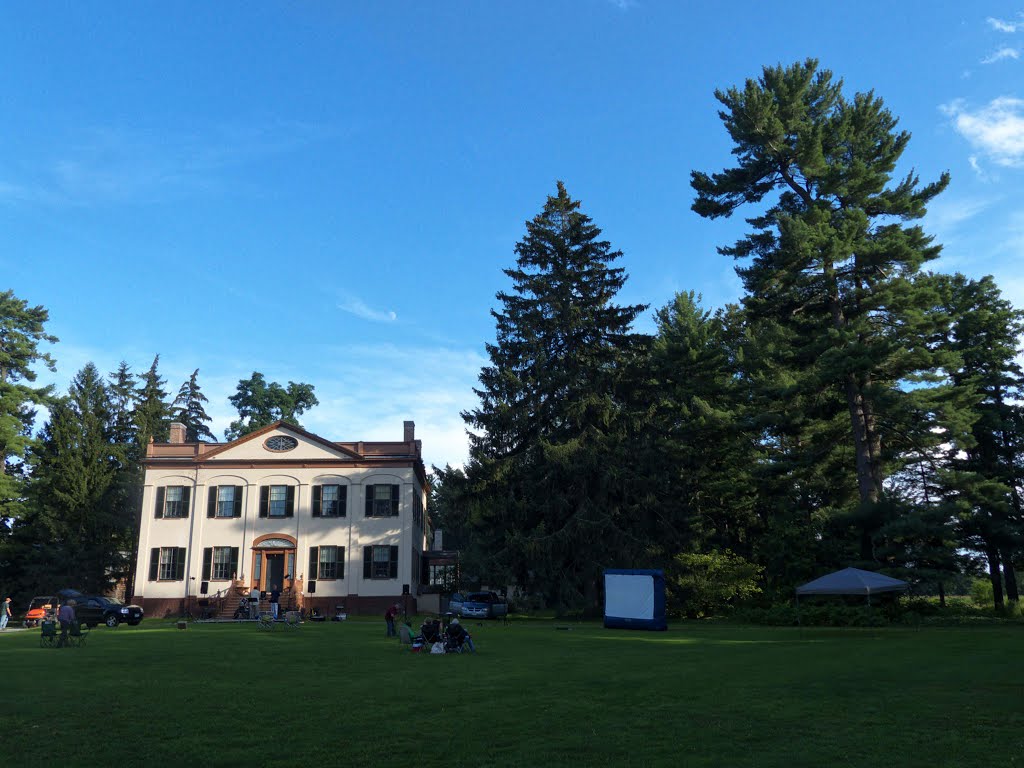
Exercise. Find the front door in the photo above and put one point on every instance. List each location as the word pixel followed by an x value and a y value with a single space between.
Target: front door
pixel 275 572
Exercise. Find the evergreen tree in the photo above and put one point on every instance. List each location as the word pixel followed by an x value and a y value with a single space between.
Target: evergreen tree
pixel 124 398
pixel 152 411
pixel 986 477
pixel 188 410
pixel 704 451
pixel 833 264
pixel 22 333
pixel 555 489
pixel 83 537
pixel 260 404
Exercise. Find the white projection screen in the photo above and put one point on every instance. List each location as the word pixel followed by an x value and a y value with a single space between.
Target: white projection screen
pixel 634 599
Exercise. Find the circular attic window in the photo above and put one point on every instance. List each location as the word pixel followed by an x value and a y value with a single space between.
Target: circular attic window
pixel 280 443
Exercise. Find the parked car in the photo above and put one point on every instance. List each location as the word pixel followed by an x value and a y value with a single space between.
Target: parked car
pixel 98 609
pixel 478 605
pixel 39 609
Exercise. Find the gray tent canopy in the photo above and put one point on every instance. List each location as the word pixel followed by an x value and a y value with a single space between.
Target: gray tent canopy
pixel 852 581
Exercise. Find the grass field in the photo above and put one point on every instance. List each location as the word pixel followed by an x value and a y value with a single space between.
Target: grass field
pixel 341 694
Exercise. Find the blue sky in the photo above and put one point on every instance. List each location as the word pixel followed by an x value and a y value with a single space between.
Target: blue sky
pixel 327 192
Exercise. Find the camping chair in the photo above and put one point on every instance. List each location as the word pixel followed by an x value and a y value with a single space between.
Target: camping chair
pixel 431 631
pixel 265 621
pixel 48 635
pixel 292 619
pixel 78 634
pixel 405 635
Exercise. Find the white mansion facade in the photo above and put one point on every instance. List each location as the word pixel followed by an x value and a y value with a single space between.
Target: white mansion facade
pixel 327 523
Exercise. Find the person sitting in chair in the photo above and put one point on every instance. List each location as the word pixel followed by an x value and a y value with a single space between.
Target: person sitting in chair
pixel 458 636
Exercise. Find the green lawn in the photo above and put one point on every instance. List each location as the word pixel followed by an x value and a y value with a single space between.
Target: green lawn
pixel 341 694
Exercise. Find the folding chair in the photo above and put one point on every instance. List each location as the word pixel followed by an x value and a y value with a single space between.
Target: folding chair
pixel 292 619
pixel 77 635
pixel 265 621
pixel 48 635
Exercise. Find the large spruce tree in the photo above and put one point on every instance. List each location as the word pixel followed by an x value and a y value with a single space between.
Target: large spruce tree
pixel 555 491
pixel 832 257
pixel 188 409
pixel 84 536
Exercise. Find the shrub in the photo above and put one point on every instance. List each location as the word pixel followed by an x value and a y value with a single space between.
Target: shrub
pixel 704 584
pixel 981 593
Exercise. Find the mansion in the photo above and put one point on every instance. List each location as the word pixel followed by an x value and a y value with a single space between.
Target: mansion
pixel 328 524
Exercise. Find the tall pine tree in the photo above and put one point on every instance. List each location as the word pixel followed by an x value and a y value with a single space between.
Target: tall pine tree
pixel 832 260
pixel 188 409
pixel 554 497
pixel 152 411
pixel 84 539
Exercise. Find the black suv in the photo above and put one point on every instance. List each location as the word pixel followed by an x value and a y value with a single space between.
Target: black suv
pixel 97 609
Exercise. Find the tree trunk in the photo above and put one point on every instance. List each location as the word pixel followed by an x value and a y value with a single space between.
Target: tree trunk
pixel 995 576
pixel 942 595
pixel 1009 576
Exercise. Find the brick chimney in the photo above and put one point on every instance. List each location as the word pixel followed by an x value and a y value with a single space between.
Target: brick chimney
pixel 410 431
pixel 177 432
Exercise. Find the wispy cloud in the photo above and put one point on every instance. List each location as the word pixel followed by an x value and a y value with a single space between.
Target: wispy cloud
pixel 624 5
pixel 1004 26
pixel 103 165
pixel 996 130
pixel 1003 53
pixel 359 308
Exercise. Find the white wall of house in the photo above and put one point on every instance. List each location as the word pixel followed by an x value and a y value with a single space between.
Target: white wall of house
pixel 355 530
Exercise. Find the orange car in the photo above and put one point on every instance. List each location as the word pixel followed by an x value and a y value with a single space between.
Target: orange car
pixel 39 609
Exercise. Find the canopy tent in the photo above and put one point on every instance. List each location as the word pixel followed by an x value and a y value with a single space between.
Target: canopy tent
pixel 852 581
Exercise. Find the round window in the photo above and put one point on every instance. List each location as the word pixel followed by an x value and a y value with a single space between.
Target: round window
pixel 280 443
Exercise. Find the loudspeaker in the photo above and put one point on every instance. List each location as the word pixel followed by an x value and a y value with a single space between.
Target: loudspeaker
pixel 204 587
pixel 311 587
pixel 405 589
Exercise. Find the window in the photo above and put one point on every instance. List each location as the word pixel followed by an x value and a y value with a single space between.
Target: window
pixel 220 563
pixel 167 564
pixel 277 501
pixel 280 443
pixel 224 501
pixel 380 562
pixel 329 500
pixel 417 507
pixel 172 501
pixel 327 562
pixel 382 500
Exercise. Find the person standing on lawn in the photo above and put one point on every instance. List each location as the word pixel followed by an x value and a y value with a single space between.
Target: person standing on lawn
pixel 389 619
pixel 275 599
pixel 66 617
pixel 5 614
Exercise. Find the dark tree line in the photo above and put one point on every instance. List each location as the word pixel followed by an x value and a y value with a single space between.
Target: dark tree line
pixel 853 409
pixel 70 494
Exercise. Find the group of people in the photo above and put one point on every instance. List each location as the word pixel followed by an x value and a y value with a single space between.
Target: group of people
pixel 441 639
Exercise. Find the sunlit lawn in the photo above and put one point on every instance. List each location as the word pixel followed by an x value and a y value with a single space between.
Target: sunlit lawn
pixel 534 695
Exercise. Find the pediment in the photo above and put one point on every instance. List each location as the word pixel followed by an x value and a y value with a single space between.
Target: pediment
pixel 280 441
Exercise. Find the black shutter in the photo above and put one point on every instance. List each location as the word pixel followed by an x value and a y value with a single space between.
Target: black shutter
pixel 160 501
pixel 264 500
pixel 186 492
pixel 369 500
pixel 341 562
pixel 289 510
pixel 318 492
pixel 179 573
pixel 342 499
pixel 207 563
pixel 154 563
pixel 394 499
pixel 394 562
pixel 237 509
pixel 234 562
pixel 367 562
pixel 314 562
pixel 211 502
